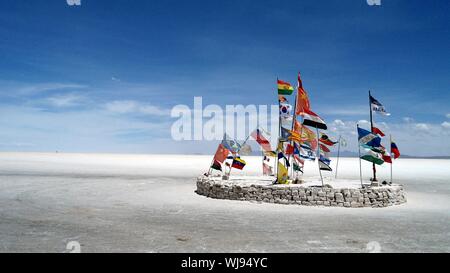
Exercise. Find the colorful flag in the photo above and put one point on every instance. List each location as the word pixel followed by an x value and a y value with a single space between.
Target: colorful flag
pixel 377 106
pixel 230 144
pixel 312 119
pixel 285 110
pixel 267 170
pixel 282 175
pixel 259 137
pixel 284 88
pixel 387 157
pixel 298 159
pixel 377 131
pixel 394 150
pixel 297 168
pixel 302 102
pixel 289 149
pixel 324 148
pixel 221 153
pixel 285 134
pixel 282 99
pixel 281 156
pixel 367 138
pixel 270 153
pixel 326 140
pixel 216 165
pixel 238 163
pixel 372 156
pixel 324 164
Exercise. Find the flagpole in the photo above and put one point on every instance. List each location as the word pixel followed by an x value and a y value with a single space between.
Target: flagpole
pixel 337 161
pixel 318 155
pixel 371 130
pixel 390 154
pixel 279 133
pixel 359 156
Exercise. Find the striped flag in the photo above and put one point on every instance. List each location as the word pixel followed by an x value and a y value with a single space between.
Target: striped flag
pixel 312 119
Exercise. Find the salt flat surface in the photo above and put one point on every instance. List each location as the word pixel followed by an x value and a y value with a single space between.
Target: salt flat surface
pixel 146 203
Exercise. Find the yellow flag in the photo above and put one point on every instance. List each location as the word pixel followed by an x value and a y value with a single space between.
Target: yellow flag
pixel 282 174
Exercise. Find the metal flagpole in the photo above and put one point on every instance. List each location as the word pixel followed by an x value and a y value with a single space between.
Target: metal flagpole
pixel 318 154
pixel 371 130
pixel 279 134
pixel 359 156
pixel 390 154
pixel 337 161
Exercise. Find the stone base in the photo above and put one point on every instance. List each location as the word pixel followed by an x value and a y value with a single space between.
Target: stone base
pixel 375 197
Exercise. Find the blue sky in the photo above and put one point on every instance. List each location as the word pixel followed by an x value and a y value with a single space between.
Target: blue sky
pixel 103 76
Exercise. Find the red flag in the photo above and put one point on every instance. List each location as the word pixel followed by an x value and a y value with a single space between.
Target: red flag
pixel 267 170
pixel 289 149
pixel 395 150
pixel 221 153
pixel 324 148
pixel 258 136
pixel 377 131
pixel 387 158
pixel 302 102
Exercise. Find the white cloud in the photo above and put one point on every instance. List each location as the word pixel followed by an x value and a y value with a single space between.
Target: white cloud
pixel 422 127
pixel 408 119
pixel 66 100
pixel 134 107
pixel 448 115
pixel 445 124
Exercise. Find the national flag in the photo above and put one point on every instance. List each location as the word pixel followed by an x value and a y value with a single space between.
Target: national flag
pixel 372 156
pixel 326 140
pixel 221 153
pixel 394 150
pixel 297 168
pixel 377 106
pixel 258 136
pixel 302 102
pixel 280 156
pixel 267 170
pixel 230 144
pixel 367 138
pixel 216 165
pixel 377 131
pixel 387 157
pixel 282 176
pixel 289 149
pixel 285 134
pixel 324 148
pixel 305 133
pixel 286 122
pixel 298 159
pixel 282 99
pixel 285 110
pixel 312 119
pixel 284 88
pixel 324 164
pixel 306 153
pixel 238 163
pixel 325 160
pixel 245 150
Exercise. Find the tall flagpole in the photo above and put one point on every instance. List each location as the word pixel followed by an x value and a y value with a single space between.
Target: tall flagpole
pixel 371 130
pixel 279 133
pixel 390 154
pixel 337 161
pixel 318 154
pixel 359 156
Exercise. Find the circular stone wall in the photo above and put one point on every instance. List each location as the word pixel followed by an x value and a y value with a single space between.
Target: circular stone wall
pixel 298 194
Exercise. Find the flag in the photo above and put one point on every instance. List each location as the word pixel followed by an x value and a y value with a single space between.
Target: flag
pixel 312 119
pixel 324 148
pixel 284 88
pixel 297 168
pixel 230 144
pixel 216 165
pixel 298 159
pixel 285 134
pixel 394 150
pixel 324 164
pixel 326 140
pixel 387 157
pixel 377 106
pixel 286 122
pixel 282 99
pixel 302 102
pixel 238 163
pixel 282 175
pixel 377 131
pixel 285 110
pixel 245 150
pixel 372 156
pixel 221 153
pixel 267 170
pixel 258 135
pixel 367 138
pixel 270 153
pixel 280 156
pixel 306 134
pixel 289 149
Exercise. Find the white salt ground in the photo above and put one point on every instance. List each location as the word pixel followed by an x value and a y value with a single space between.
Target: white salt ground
pixel 146 203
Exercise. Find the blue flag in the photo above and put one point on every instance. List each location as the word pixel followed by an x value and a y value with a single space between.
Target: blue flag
pixel 368 139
